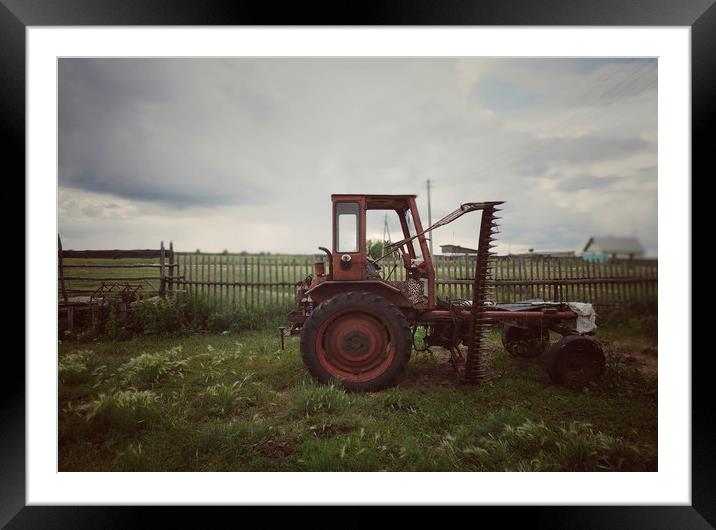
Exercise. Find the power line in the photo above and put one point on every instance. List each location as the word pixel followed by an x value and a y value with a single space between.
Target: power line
pixel 615 89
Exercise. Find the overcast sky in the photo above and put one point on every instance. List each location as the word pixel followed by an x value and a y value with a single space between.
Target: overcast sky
pixel 243 154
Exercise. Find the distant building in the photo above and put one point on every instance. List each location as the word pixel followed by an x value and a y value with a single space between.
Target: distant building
pixel 456 249
pixel 547 253
pixel 609 247
pixel 556 253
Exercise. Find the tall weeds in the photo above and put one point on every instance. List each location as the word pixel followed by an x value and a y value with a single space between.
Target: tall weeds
pixel 127 410
pixel 180 315
pixel 149 368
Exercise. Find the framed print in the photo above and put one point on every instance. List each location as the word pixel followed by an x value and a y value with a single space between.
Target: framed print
pixel 183 170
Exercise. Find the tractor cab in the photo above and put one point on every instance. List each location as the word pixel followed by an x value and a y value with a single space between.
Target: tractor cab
pixel 350 260
pixel 352 268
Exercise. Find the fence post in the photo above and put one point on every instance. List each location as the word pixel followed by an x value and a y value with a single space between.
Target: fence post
pixel 70 318
pixel 560 286
pixel 171 267
pixel 162 278
pixel 61 269
pixel 94 310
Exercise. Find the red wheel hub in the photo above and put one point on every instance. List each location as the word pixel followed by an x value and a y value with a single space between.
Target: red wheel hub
pixel 355 346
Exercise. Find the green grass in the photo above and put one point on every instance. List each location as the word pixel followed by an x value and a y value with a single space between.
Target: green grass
pixel 236 402
pixel 148 368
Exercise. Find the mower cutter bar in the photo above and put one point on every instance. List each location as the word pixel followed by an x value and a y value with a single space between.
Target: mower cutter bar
pixel 474 368
pixel 499 315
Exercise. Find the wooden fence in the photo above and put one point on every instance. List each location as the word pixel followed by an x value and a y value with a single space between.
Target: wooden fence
pixel 87 278
pixel 84 274
pixel 553 278
pixel 259 280
pixel 256 280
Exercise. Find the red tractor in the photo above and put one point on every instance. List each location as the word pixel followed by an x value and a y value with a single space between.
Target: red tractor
pixel 357 327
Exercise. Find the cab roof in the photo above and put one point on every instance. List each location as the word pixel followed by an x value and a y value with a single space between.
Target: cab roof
pixel 376 202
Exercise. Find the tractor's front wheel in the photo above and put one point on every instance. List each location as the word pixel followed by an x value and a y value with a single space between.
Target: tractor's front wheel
pixel 358 339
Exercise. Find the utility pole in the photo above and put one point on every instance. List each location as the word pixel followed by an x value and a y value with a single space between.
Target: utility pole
pixel 430 220
pixel 386 230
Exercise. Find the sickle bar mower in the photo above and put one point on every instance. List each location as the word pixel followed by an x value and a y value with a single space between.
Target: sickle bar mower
pixel 477 355
pixel 357 327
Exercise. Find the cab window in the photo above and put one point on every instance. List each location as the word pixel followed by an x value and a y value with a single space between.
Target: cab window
pixel 347 227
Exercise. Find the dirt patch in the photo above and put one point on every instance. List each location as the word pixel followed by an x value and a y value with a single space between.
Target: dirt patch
pixel 645 360
pixel 432 368
pixel 328 430
pixel 277 449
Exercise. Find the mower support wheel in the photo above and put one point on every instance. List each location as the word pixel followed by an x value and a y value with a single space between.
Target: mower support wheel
pixel 574 361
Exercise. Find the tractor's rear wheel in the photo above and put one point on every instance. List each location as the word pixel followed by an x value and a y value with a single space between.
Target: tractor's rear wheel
pixel 358 339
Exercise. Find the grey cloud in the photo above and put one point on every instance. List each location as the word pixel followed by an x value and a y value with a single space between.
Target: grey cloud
pixel 545 154
pixel 136 129
pixel 92 210
pixel 586 182
pixel 647 174
pixel 271 139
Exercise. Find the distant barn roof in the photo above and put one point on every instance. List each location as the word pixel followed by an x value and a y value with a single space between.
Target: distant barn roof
pixel 611 244
pixel 457 249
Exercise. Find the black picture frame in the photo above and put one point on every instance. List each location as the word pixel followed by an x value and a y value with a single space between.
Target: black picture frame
pixel 700 15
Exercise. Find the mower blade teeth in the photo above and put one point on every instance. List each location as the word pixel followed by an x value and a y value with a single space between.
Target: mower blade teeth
pixel 477 356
